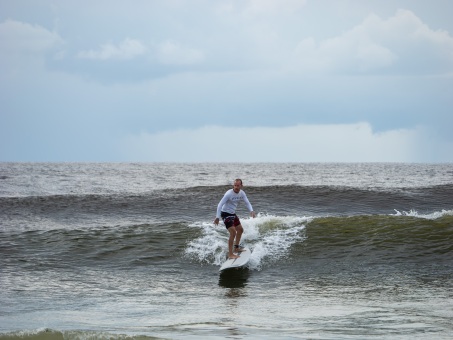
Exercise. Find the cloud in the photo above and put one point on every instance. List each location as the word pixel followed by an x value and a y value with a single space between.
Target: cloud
pixel 166 53
pixel 173 53
pixel 250 8
pixel 401 44
pixel 300 143
pixel 273 6
pixel 127 49
pixel 129 61
pixel 20 37
pixel 241 36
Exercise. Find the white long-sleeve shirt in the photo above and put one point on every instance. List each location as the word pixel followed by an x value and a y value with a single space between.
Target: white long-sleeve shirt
pixel 230 201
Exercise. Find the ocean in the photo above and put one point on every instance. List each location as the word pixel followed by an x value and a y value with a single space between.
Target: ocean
pixel 130 251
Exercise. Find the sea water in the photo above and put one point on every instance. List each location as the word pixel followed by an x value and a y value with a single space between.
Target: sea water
pixel 339 251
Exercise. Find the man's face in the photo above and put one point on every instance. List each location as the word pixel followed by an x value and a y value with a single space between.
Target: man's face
pixel 237 186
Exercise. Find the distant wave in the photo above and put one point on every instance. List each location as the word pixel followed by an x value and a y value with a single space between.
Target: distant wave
pixel 180 204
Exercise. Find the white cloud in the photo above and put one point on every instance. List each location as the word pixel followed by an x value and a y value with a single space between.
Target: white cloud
pixel 251 8
pixel 301 143
pixel 172 53
pixel 166 53
pixel 19 37
pixel 127 49
pixel 273 6
pixel 402 40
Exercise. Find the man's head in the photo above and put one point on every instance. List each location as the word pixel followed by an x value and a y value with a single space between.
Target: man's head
pixel 237 186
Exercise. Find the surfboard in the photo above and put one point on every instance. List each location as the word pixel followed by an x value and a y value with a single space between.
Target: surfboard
pixel 243 259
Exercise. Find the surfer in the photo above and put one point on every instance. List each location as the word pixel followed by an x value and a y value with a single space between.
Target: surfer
pixel 226 209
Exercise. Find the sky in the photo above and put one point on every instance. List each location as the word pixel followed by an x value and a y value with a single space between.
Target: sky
pixel 226 81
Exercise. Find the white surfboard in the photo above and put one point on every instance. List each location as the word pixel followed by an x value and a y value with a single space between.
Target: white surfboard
pixel 243 259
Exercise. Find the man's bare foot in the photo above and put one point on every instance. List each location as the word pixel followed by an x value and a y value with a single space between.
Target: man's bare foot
pixel 232 257
pixel 239 249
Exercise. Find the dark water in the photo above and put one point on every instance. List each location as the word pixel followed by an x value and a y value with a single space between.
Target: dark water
pixel 339 251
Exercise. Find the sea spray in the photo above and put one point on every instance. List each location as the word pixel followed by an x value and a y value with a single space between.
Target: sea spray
pixel 269 238
pixel 432 216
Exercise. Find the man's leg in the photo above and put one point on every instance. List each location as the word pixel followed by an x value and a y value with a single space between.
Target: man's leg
pixel 239 231
pixel 232 231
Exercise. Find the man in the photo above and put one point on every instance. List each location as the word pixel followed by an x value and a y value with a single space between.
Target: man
pixel 227 210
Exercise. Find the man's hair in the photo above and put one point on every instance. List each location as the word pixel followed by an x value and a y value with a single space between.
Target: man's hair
pixel 238 180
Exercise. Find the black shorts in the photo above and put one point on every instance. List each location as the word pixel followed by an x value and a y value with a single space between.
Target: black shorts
pixel 230 220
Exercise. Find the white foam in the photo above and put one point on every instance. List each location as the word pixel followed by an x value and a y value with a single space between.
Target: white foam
pixel 208 247
pixel 269 237
pixel 433 216
pixel 276 236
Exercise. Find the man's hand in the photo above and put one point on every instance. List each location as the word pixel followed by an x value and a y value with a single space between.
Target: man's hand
pixel 253 214
pixel 216 221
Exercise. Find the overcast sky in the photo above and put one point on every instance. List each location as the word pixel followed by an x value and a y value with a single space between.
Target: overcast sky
pixel 226 80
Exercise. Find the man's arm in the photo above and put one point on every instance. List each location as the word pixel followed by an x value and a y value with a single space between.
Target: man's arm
pixel 249 205
pixel 247 202
pixel 219 207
